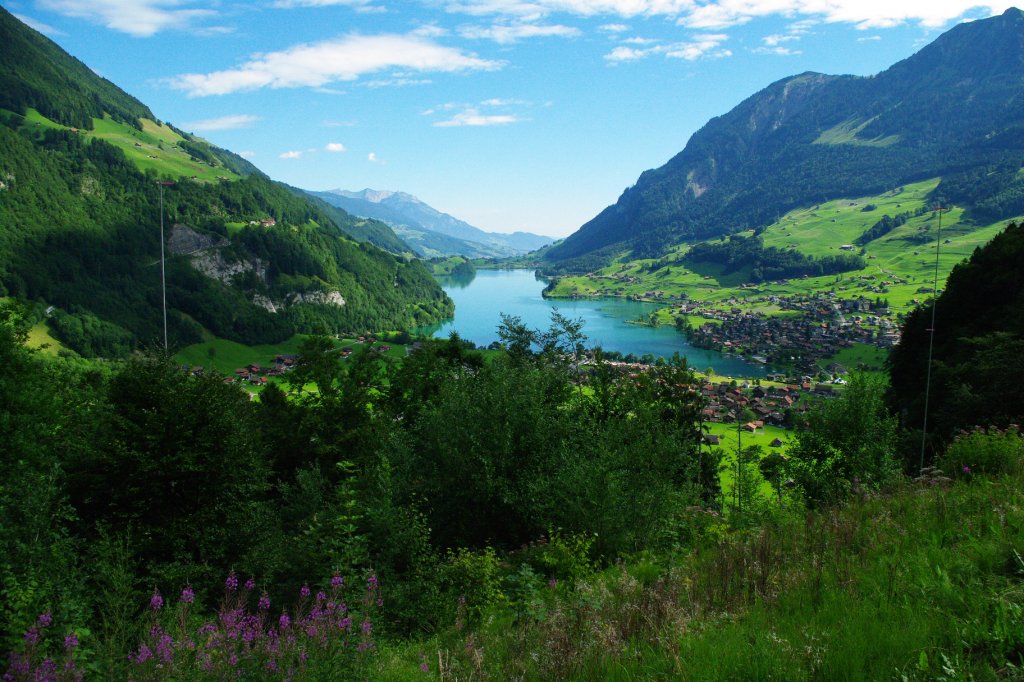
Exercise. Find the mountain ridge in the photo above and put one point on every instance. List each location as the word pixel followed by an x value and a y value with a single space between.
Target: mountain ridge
pixel 81 205
pixel 813 137
pixel 430 231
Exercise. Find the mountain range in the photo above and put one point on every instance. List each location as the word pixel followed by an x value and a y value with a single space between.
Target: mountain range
pixel 88 176
pixel 953 110
pixel 428 231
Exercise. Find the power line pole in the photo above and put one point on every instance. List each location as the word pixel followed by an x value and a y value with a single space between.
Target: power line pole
pixel 931 340
pixel 163 274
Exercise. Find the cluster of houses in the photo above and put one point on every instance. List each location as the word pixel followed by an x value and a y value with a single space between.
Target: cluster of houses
pixel 773 406
pixel 824 326
pixel 257 374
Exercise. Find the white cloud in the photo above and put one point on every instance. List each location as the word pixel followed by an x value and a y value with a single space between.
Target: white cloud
pixel 613 28
pixel 778 50
pixel 777 39
pixel 335 147
pixel 714 14
pixel 247 154
pixel 534 9
pixel 505 34
pixel 861 13
pixel 473 117
pixel 396 82
pixel 706 45
pixel 867 39
pixel 39 26
pixel 498 102
pixel 344 59
pixel 136 17
pixel 223 123
pixel 288 4
pixel 290 155
pixel 372 158
pixel 700 46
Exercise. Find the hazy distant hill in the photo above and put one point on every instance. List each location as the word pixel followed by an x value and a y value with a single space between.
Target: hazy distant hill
pixel 429 231
pixel 250 259
pixel 955 109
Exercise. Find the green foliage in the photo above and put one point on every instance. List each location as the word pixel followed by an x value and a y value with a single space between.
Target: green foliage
pixel 36 73
pixel 991 453
pixel 566 556
pixel 977 378
pixel 473 580
pixel 771 263
pixel 848 445
pixel 178 453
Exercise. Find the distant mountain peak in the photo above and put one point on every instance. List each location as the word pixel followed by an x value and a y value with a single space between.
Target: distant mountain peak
pixel 429 231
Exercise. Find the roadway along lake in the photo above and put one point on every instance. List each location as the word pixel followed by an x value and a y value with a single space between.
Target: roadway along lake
pixel 480 302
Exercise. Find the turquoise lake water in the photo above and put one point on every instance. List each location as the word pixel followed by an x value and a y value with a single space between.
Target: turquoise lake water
pixel 479 303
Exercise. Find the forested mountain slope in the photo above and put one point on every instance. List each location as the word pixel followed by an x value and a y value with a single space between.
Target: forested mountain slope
pixel 955 109
pixel 255 261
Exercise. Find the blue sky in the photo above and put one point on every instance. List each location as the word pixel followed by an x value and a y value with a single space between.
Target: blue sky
pixel 510 114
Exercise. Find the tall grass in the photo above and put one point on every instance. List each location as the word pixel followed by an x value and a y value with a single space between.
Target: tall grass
pixel 923 583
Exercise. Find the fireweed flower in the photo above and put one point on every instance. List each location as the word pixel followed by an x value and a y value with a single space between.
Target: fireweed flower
pixel 231 584
pixel 264 602
pixel 371 582
pixel 337 581
pixel 304 592
pixel 44 620
pixel 284 621
pixel 31 636
pixel 70 641
pixel 187 595
pixel 156 602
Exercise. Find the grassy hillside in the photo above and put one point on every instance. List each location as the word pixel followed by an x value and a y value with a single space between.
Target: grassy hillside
pixel 923 583
pixel 820 230
pixel 155 147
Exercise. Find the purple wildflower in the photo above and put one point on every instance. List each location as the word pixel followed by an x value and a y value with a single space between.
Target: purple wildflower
pixel 70 641
pixel 44 620
pixel 156 602
pixel 250 584
pixel 346 623
pixel 321 596
pixel 337 581
pixel 967 470
pixel 187 595
pixel 367 627
pixel 142 656
pixel 371 582
pixel 264 603
pixel 31 636
pixel 304 592
pixel 424 668
pixel 284 621
pixel 231 584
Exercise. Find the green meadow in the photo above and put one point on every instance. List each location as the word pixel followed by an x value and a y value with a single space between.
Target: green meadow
pixel 899 265
pixel 155 147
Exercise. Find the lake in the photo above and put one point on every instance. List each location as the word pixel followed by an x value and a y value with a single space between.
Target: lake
pixel 480 301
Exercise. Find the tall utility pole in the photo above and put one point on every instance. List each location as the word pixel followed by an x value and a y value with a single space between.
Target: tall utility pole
pixel 163 274
pixel 931 340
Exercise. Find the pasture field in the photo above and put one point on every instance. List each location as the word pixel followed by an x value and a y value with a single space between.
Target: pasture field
pixel 152 148
pixel 899 266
